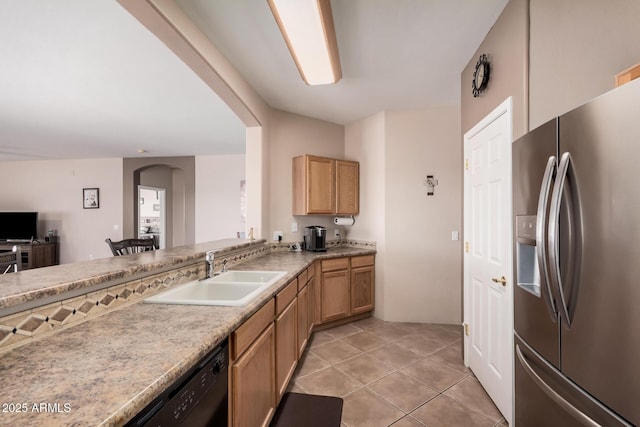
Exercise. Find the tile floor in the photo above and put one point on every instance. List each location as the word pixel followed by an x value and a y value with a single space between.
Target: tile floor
pixel 400 374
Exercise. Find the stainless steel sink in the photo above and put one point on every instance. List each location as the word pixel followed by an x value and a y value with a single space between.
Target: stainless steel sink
pixel 233 288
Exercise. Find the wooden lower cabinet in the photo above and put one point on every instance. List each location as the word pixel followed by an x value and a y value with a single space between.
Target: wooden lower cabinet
pixel 253 383
pixel 346 287
pixel 362 284
pixel 334 294
pixel 303 319
pixel 286 346
pixel 311 312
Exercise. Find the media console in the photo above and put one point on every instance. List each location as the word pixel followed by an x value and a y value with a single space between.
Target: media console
pixel 35 255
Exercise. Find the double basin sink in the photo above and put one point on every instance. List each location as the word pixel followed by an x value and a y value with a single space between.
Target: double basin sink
pixel 232 288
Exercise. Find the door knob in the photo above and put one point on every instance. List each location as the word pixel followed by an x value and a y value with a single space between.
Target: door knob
pixel 502 280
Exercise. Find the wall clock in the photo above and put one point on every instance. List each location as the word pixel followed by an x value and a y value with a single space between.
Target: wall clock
pixel 481 75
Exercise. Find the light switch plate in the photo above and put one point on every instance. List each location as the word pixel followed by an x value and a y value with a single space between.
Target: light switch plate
pixel 294 227
pixel 455 235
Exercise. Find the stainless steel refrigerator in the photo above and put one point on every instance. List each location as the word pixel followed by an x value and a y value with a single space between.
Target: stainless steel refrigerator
pixel 576 202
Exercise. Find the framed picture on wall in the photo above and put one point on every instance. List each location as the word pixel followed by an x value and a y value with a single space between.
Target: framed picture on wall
pixel 90 198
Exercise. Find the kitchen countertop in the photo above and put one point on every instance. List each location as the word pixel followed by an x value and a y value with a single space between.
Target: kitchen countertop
pixel 107 369
pixel 48 282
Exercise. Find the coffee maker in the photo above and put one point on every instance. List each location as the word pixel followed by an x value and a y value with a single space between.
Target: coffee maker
pixel 315 237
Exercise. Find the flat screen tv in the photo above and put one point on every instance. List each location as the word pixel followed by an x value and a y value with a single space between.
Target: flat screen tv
pixel 21 226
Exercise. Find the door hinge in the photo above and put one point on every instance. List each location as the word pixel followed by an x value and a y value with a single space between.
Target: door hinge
pixel 466 164
pixel 466 247
pixel 466 329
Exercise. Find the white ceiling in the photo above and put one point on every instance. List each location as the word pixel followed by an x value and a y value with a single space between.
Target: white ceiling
pixel 82 79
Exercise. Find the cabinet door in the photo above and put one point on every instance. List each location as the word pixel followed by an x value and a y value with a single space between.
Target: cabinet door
pixel 254 384
pixel 347 187
pixel 320 185
pixel 286 346
pixel 303 318
pixel 334 294
pixel 362 289
pixel 311 313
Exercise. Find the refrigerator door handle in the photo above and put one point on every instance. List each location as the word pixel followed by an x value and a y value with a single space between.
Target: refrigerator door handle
pixel 554 238
pixel 541 227
pixel 583 418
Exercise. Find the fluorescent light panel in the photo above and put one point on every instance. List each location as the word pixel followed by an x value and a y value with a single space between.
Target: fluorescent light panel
pixel 307 28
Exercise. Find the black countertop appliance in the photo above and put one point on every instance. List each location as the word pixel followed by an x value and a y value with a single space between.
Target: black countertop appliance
pixel 315 238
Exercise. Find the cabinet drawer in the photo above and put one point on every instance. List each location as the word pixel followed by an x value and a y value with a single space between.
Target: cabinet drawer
pixel 251 329
pixel 285 296
pixel 335 264
pixel 361 261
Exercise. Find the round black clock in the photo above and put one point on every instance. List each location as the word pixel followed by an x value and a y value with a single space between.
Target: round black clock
pixel 481 75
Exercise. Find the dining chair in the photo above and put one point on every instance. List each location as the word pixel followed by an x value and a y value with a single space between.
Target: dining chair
pixel 11 261
pixel 132 246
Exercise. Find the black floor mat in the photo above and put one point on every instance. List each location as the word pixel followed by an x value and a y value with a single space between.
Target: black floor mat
pixel 308 410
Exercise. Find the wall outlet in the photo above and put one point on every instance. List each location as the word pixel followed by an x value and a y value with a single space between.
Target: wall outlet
pixel 277 236
pixel 294 227
pixel 336 232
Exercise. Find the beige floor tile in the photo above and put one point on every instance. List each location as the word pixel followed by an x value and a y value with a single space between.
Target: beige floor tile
pixel 368 323
pixel 389 331
pixel 471 394
pixel 394 356
pixel 418 344
pixel 320 337
pixel 407 421
pixel 308 364
pixel 364 368
pixel 452 328
pixel 435 375
pixel 295 387
pixel 364 408
pixel 403 391
pixel 364 341
pixel 328 382
pixel 333 356
pixel 335 351
pixel 440 334
pixel 343 330
pixel 446 412
pixel 450 356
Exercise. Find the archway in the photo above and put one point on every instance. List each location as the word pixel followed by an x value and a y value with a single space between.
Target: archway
pixel 177 176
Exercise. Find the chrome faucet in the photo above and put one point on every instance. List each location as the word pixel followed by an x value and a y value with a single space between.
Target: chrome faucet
pixel 209 258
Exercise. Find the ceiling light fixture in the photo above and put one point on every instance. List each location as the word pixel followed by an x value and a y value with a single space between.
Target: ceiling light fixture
pixel 307 28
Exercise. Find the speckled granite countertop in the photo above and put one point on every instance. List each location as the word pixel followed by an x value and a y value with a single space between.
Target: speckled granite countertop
pixel 105 370
pixel 39 283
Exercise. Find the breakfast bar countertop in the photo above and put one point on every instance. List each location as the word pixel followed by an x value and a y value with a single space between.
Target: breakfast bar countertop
pixel 105 370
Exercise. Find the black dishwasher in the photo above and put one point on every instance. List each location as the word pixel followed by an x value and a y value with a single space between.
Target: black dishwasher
pixel 198 398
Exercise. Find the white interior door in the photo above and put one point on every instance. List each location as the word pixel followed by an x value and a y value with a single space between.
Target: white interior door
pixel 488 288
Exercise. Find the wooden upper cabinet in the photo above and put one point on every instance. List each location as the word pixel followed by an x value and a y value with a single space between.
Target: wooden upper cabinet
pixel 324 186
pixel 347 187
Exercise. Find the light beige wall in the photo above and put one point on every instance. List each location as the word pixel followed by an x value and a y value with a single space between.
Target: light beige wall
pixel 258 179
pixel 365 143
pixel 506 45
pixel 418 266
pixel 292 135
pixel 54 189
pixel 218 196
pixel 577 47
pixel 423 265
